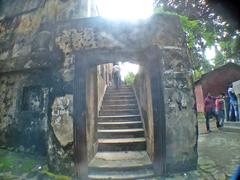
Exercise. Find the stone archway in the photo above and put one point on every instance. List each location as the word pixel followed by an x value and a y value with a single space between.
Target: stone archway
pixel 157 43
pixel 83 61
pixel 60 46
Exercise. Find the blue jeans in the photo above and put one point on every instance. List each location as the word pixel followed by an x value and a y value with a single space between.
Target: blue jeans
pixel 233 110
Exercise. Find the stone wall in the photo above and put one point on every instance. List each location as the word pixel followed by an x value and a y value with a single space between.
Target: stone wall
pixel 39 44
pixel 92 111
pixel 60 142
pixel 60 139
pixel 103 80
pixel 24 111
pixel 36 82
pixel 21 19
pixel 181 121
pixel 142 86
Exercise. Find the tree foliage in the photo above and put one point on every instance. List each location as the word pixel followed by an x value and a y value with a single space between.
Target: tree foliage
pixel 219 59
pixel 129 79
pixel 204 28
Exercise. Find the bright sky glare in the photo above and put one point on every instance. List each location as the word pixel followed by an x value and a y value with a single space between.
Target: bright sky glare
pixel 125 9
pixel 128 67
pixel 210 54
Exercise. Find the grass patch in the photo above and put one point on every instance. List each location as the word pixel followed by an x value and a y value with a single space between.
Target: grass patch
pixel 6 163
pixel 27 165
pixel 13 164
pixel 17 163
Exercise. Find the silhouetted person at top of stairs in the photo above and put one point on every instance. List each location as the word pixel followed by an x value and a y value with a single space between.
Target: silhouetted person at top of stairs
pixel 116 75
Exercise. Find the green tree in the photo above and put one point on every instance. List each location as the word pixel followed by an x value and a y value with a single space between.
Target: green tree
pixel 219 59
pixel 204 28
pixel 129 79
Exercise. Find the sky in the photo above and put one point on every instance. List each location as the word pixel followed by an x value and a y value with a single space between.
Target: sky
pixel 128 67
pixel 125 9
pixel 210 53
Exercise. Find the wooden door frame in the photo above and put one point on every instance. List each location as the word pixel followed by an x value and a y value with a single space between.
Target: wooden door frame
pixel 83 61
pixel 158 105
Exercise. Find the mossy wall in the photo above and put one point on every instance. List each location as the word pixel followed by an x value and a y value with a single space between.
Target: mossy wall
pixel 31 79
pixel 38 44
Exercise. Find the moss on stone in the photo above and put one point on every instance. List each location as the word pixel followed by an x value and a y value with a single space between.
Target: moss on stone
pixel 56 176
pixel 16 162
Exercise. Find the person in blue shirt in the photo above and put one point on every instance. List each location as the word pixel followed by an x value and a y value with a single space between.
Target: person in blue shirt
pixel 233 109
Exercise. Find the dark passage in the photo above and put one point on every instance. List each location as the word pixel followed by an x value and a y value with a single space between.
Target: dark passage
pixel 121 142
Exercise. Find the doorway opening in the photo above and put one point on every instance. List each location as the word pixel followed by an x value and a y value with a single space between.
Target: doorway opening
pixel 121 132
pixel 129 107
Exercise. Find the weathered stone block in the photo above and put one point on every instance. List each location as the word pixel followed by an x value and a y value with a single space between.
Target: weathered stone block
pixel 181 124
pixel 62 122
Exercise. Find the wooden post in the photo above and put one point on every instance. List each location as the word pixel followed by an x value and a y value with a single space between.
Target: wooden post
pixel 159 120
pixel 79 124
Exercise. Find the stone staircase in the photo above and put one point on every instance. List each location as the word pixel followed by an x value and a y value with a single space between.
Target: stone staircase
pixel 121 143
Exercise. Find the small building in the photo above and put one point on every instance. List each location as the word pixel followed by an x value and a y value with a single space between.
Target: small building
pixel 215 82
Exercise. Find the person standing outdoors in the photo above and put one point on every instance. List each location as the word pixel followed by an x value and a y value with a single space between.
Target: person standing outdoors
pixel 233 114
pixel 116 75
pixel 219 104
pixel 209 109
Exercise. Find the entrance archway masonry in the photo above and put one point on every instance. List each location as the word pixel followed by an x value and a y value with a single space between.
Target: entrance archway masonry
pixel 148 43
pixel 71 48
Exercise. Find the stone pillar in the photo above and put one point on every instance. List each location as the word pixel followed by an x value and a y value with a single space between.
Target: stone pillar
pixel 181 121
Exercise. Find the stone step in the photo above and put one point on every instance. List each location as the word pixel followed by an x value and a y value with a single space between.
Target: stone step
pixel 119 102
pixel 120 125
pixel 116 160
pixel 121 106
pixel 233 124
pixel 121 175
pixel 122 87
pixel 120 139
pixel 120 165
pixel 121 133
pixel 121 90
pixel 235 129
pixel 117 98
pixel 119 94
pixel 122 118
pixel 121 144
pixel 118 112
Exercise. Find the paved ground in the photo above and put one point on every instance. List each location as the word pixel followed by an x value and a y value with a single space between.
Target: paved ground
pixel 219 155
